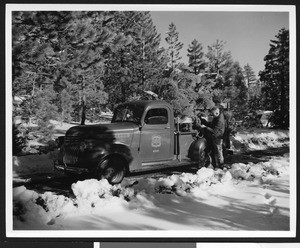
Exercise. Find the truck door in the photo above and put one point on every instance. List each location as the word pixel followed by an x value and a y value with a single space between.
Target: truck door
pixel 155 141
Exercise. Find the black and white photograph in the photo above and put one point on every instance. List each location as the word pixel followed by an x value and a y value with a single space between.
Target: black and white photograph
pixel 161 121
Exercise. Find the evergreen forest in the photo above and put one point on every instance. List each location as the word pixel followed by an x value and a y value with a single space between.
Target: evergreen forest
pixel 72 65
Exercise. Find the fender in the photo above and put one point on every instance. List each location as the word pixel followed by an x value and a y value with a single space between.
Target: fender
pixel 197 149
pixel 121 149
pixel 92 151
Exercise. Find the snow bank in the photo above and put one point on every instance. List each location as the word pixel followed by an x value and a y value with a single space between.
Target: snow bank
pixel 27 210
pixel 260 139
pixel 155 200
pixel 275 166
pixel 242 198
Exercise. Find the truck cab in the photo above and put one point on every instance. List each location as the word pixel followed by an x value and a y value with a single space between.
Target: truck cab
pixel 143 135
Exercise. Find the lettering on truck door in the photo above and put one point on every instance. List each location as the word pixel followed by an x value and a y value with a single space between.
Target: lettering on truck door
pixel 155 139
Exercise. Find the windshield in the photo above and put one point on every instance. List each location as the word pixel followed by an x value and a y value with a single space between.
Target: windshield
pixel 128 113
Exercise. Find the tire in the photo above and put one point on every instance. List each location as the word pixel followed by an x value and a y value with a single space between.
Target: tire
pixel 112 169
pixel 204 160
pixel 198 153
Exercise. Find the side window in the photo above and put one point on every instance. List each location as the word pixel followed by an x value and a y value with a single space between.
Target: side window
pixel 156 116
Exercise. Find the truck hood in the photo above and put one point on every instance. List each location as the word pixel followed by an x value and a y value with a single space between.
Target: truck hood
pixel 111 131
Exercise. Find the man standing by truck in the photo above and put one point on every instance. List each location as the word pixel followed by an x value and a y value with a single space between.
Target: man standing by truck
pixel 215 136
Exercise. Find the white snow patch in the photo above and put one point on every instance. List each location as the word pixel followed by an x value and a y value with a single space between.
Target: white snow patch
pixel 246 197
pixel 259 139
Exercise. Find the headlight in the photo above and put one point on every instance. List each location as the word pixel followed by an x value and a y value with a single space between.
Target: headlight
pixel 82 146
pixel 86 145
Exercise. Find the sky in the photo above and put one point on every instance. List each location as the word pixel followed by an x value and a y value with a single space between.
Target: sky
pixel 247 34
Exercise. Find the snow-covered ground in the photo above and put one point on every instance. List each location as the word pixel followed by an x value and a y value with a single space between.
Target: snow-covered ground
pixel 248 197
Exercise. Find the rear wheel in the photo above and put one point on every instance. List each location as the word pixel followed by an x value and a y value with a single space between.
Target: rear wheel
pixel 204 159
pixel 112 169
pixel 198 151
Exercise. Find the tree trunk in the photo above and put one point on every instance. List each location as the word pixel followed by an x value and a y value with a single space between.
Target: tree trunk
pixel 62 117
pixel 83 110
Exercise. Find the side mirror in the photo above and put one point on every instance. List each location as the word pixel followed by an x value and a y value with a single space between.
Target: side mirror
pixel 141 125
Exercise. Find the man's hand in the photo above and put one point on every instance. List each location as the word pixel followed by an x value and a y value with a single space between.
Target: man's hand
pixel 197 121
pixel 208 128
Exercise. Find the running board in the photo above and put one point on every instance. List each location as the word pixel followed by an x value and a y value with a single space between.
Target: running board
pixel 163 165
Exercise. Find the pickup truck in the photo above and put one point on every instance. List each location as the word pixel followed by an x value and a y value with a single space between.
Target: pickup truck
pixel 142 135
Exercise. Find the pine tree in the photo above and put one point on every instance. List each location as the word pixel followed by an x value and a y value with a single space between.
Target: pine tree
pixel 171 93
pixel 34 67
pixel 275 78
pixel 250 80
pixel 45 110
pixel 240 97
pixel 58 47
pixel 90 38
pixel 218 59
pixel 174 46
pixel 137 66
pixel 148 62
pixel 249 75
pixel 219 72
pixel 36 63
pixel 195 54
pixel 254 91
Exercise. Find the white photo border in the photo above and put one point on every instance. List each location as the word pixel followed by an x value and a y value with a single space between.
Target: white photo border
pixel 147 233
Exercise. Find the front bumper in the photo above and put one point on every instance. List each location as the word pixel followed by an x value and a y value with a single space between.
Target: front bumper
pixel 70 169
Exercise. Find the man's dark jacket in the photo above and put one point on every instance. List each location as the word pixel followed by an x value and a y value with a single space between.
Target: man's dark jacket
pixel 217 124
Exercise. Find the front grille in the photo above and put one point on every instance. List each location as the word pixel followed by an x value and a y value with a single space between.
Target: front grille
pixel 71 150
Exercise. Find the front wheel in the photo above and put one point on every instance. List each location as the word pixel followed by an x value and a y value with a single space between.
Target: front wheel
pixel 112 169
